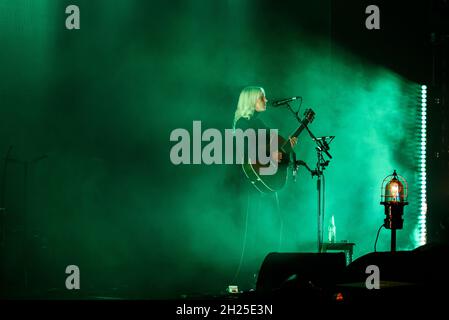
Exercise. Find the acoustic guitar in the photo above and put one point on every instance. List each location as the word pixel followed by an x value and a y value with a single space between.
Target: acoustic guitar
pixel 276 181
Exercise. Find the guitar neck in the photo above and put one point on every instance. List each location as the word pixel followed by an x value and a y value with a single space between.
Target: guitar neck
pixel 294 135
pixel 300 129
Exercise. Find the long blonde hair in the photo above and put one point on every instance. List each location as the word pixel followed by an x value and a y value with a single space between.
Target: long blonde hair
pixel 247 102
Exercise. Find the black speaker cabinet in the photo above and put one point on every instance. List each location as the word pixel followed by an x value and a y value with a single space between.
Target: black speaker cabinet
pixel 313 269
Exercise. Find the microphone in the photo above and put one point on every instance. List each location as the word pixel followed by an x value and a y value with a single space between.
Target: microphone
pixel 278 103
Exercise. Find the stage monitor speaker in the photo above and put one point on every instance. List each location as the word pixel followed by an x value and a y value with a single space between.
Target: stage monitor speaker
pixel 316 269
pixel 427 264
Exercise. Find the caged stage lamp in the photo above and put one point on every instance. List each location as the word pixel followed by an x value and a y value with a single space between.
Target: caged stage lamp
pixel 394 199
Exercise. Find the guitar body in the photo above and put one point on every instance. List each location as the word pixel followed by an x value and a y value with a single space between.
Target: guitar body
pixel 276 181
pixel 268 183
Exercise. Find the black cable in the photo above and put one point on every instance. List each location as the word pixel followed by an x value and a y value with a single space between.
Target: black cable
pixel 245 234
pixel 281 228
pixel 377 237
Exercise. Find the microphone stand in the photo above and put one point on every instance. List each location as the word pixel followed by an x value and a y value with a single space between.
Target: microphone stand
pixel 322 146
pixel 321 164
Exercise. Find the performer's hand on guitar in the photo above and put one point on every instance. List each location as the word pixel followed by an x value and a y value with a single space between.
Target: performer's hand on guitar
pixel 293 141
pixel 276 156
pixel 274 182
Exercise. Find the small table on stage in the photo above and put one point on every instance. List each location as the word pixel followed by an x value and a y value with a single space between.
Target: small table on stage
pixel 346 247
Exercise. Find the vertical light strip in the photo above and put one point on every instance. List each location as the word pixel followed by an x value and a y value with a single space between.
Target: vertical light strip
pixel 423 172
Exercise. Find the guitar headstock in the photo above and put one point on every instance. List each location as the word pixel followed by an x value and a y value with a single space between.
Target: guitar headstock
pixel 309 116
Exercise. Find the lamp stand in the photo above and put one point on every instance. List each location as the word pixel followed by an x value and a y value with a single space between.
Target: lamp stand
pixel 393 240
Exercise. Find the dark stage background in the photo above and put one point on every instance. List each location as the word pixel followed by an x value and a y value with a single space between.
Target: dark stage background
pixel 88 114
